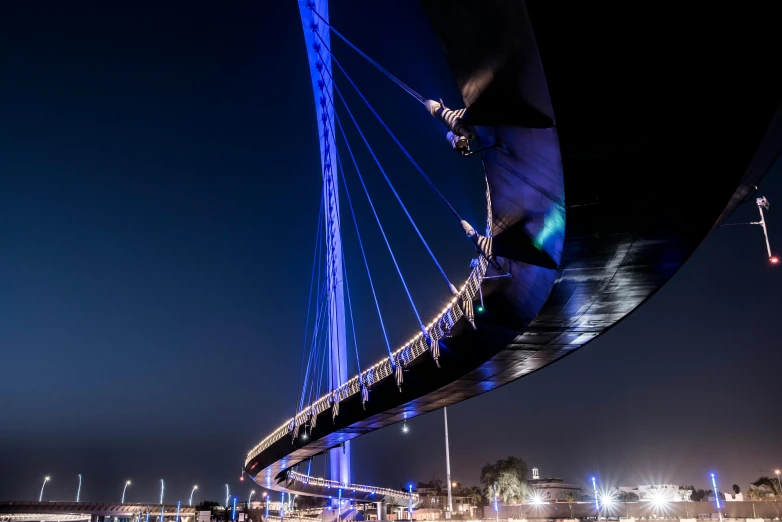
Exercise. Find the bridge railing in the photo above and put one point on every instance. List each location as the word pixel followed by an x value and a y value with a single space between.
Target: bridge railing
pixel 383 492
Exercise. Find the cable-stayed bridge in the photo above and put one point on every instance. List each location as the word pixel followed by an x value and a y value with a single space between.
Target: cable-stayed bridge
pixel 610 151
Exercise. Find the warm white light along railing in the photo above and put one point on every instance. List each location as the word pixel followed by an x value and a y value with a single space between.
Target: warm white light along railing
pixel 411 350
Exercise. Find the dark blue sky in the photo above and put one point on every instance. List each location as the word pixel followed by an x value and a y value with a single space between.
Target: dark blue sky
pixel 159 185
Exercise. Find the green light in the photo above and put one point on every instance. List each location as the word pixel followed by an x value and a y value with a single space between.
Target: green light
pixel 480 308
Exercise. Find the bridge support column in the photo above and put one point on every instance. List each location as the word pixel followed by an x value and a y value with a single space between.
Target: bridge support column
pixel 381 511
pixel 93 518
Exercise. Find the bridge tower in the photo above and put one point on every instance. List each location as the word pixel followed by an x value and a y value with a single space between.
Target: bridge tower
pixel 320 72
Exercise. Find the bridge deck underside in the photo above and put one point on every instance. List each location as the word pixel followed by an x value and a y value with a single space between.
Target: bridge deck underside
pixel 652 144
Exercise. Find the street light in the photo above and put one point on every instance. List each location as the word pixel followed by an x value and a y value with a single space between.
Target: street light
pixel 162 490
pixel 227 495
pixel 78 491
pixel 250 499
pixel 191 496
pixel 776 472
pixel 45 480
pixel 716 494
pixel 127 483
pixel 405 428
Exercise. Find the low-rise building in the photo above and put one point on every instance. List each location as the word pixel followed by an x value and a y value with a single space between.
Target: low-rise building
pixel 657 492
pixel 553 489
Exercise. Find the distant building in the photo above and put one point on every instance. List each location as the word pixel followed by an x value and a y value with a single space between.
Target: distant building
pixel 553 489
pixel 651 492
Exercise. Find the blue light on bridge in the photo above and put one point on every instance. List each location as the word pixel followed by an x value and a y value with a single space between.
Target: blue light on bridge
pixel 233 515
pixel 178 506
pixel 594 488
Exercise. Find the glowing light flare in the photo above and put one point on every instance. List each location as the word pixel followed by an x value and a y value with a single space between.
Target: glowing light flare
pixel 607 499
pixel 537 499
pixel 773 260
pixel 658 499
pixel 405 428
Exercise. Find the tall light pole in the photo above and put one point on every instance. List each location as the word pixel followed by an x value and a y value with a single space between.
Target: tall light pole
pixel 190 503
pixel 127 483
pixel 447 465
pixel 266 501
pixel 162 490
pixel 227 496
pixel 716 494
pixel 250 499
pixel 78 491
pixel 777 472
pixel 597 500
pixel 45 480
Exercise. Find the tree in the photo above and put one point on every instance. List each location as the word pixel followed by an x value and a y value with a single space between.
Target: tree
pixel 570 499
pixel 510 489
pixel 770 485
pixel 476 496
pixel 736 489
pixel 490 474
pixel 698 494
pixel 305 503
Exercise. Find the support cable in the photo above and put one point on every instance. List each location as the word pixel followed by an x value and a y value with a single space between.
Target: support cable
pixel 355 221
pixel 379 67
pixel 388 130
pixel 377 219
pixel 315 259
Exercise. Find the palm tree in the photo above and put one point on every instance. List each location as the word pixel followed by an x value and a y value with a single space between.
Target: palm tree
pixel 772 485
pixel 570 499
pixel 756 493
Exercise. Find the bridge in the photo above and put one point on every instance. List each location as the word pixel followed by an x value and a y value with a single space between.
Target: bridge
pixel 92 511
pixel 603 175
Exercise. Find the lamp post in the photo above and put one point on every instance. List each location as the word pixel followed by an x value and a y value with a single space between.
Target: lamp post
pixel 190 503
pixel 777 472
pixel 597 500
pixel 78 491
pixel 496 505
pixel 716 494
pixel 227 496
pixel 250 499
pixel 45 480
pixel 127 483
pixel 162 490
pixel 266 501
pixel 410 506
pixel 447 465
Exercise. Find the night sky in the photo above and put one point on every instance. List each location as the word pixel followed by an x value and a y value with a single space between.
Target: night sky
pixel 159 193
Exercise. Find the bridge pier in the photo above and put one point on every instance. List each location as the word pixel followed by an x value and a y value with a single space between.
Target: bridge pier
pixel 381 511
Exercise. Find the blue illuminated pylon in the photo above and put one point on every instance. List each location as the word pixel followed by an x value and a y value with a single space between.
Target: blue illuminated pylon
pixel 597 500
pixel 178 506
pixel 233 515
pixel 339 458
